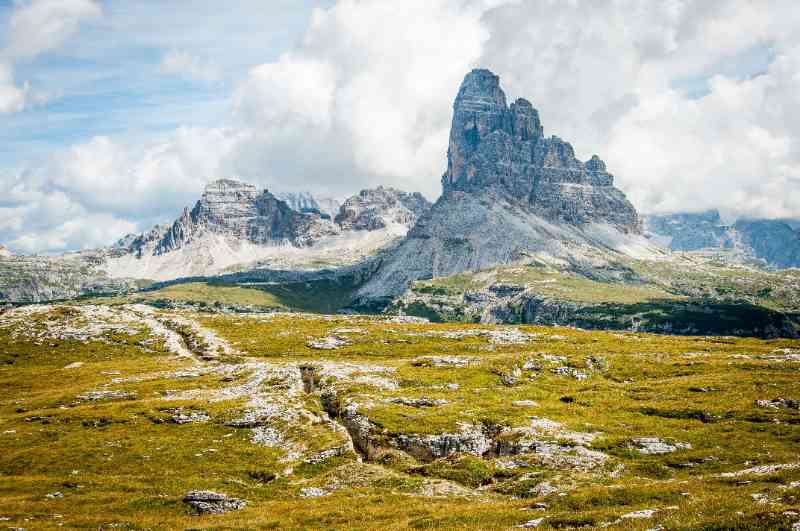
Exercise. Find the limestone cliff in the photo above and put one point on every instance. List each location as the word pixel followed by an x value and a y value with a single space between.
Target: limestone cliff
pixel 503 148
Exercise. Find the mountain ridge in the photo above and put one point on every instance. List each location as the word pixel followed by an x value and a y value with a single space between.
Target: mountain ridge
pixel 509 193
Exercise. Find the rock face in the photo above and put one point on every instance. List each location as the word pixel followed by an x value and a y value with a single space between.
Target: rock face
pixel 236 209
pixel 509 194
pixel 379 207
pixel 773 241
pixel 44 278
pixel 501 147
pixel 208 502
pixel 5 252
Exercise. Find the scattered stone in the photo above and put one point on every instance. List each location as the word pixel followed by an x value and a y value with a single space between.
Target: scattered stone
pixel 469 440
pixel 597 363
pixel 324 455
pixel 419 402
pixel 510 465
pixel 654 445
pixel 536 522
pixel 75 365
pixel 208 502
pixel 93 396
pixel 779 403
pixel 511 377
pixel 440 488
pixel 312 492
pixel 532 365
pixel 570 371
pixel 544 489
pixel 761 470
pixel 407 319
pixel 266 436
pixel 643 514
pixel 444 361
pixel 54 495
pixel 328 343
pixel 187 416
pixel 703 389
pixel 525 403
pixel 509 336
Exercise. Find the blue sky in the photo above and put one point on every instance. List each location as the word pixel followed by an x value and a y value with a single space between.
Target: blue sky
pixel 114 114
pixel 108 79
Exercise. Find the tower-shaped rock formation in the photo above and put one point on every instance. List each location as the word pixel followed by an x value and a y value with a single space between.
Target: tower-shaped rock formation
pixel 503 148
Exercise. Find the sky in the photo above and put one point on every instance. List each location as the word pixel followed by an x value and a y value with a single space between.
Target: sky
pixel 114 114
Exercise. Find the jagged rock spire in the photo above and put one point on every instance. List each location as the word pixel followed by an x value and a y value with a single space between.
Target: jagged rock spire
pixel 502 148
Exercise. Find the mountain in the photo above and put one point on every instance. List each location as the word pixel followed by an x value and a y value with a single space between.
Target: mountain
pixel 235 226
pixel 44 278
pixel 509 194
pixel 232 227
pixel 775 242
pixel 380 207
pixel 502 148
pixel 5 252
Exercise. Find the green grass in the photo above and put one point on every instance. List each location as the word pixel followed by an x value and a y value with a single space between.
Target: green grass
pixel 120 462
pixel 324 296
pixel 202 292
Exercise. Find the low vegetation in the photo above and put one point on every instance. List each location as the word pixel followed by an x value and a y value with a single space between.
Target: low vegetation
pixel 106 421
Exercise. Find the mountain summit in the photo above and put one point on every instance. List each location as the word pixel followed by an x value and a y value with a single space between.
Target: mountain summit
pixel 236 226
pixel 500 147
pixel 236 209
pixel 510 193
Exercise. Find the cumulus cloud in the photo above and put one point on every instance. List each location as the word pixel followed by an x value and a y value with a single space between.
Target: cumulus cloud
pixel 182 63
pixel 35 27
pixel 607 75
pixel 693 104
pixel 368 92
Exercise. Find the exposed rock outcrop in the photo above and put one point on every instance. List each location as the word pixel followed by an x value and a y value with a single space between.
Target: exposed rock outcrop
pixel 239 210
pixel 236 227
pixel 45 278
pixel 379 207
pixel 509 194
pixel 503 148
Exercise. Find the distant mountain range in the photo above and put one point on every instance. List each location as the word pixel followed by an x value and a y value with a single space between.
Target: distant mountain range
pixel 774 242
pixel 511 196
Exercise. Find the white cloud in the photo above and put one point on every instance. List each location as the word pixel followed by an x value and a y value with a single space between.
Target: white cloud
pixel 365 98
pixel 35 27
pixel 12 98
pixel 182 63
pixel 603 73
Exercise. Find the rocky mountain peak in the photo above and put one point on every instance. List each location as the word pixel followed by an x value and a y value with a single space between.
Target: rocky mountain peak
pixel 376 208
pixel 238 210
pixel 480 91
pixel 503 148
pixel 5 252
